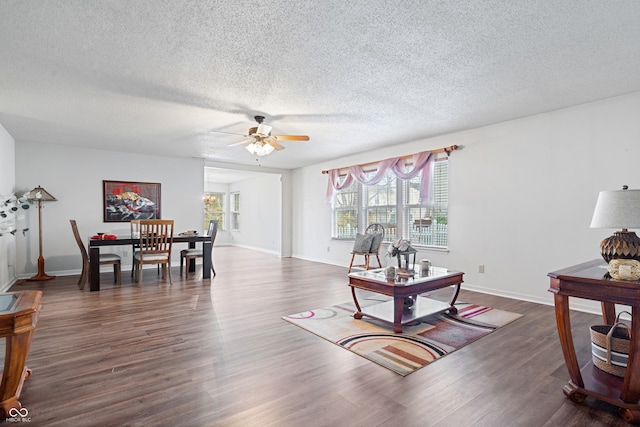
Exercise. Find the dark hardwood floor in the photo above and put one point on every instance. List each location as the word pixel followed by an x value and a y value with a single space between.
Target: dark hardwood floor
pixel 217 353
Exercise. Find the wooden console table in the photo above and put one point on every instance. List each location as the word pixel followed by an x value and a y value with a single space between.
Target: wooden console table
pixel 591 281
pixel 18 317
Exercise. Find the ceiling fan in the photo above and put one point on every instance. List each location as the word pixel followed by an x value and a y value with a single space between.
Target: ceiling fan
pixel 260 141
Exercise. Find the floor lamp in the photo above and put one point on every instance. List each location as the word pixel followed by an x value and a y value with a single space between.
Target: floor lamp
pixel 40 195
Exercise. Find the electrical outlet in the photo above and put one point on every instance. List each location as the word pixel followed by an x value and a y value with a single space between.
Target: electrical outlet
pixel 328 248
pixel 481 268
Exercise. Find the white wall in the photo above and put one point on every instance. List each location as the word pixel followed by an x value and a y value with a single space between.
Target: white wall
pixel 74 176
pixel 7 183
pixel 260 213
pixel 522 195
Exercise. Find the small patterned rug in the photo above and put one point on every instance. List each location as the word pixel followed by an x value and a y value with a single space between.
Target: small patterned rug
pixel 418 344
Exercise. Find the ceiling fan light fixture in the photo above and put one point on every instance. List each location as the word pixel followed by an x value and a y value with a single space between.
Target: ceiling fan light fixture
pixel 260 142
pixel 259 148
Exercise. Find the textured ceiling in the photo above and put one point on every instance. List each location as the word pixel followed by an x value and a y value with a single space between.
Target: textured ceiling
pixel 158 76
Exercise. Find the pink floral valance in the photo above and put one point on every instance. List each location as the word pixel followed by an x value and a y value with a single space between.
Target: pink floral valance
pixel 419 163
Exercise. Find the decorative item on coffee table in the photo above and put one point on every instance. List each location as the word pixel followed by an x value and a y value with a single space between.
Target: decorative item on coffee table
pixel 425 265
pixel 390 273
pixel 403 250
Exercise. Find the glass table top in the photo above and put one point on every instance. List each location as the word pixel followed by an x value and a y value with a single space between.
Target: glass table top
pixel 419 275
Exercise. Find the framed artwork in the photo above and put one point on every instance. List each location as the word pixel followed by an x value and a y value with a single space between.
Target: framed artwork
pixel 126 200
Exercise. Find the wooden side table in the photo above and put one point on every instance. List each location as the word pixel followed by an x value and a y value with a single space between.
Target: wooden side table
pixel 18 317
pixel 591 281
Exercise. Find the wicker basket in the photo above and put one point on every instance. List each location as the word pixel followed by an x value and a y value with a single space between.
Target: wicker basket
pixel 610 347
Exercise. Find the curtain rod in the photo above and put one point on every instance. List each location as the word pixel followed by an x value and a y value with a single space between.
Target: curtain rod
pixel 447 150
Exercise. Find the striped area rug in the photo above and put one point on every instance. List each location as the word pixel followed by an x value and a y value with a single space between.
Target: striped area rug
pixel 417 346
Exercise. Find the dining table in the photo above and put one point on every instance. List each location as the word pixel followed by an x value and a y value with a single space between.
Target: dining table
pixel 191 240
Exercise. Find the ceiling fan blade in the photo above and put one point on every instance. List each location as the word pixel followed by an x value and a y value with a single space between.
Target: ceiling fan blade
pixel 245 142
pixel 272 142
pixel 227 133
pixel 292 137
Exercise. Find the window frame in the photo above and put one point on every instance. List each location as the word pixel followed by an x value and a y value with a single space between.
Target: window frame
pixel 234 209
pixel 341 225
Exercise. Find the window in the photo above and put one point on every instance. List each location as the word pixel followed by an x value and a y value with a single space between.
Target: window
pixel 214 209
pixel 235 211
pixel 381 204
pixel 345 213
pixel 427 224
pixel 395 203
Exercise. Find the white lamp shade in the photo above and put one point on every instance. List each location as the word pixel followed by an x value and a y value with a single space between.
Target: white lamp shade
pixel 40 193
pixel 617 209
pixel 259 148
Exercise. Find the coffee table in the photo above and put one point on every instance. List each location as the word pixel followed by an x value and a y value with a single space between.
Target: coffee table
pixel 394 312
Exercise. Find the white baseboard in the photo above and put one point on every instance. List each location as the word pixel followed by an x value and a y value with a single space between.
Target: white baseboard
pixel 577 304
pixel 321 261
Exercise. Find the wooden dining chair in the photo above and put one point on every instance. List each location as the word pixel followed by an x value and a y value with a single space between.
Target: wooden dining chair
pixel 186 255
pixel 105 259
pixel 135 245
pixel 155 243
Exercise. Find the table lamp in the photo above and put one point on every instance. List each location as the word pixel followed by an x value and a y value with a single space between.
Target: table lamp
pixel 40 195
pixel 618 209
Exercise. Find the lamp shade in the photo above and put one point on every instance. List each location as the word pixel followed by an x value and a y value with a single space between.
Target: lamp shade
pixel 617 209
pixel 259 148
pixel 40 193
